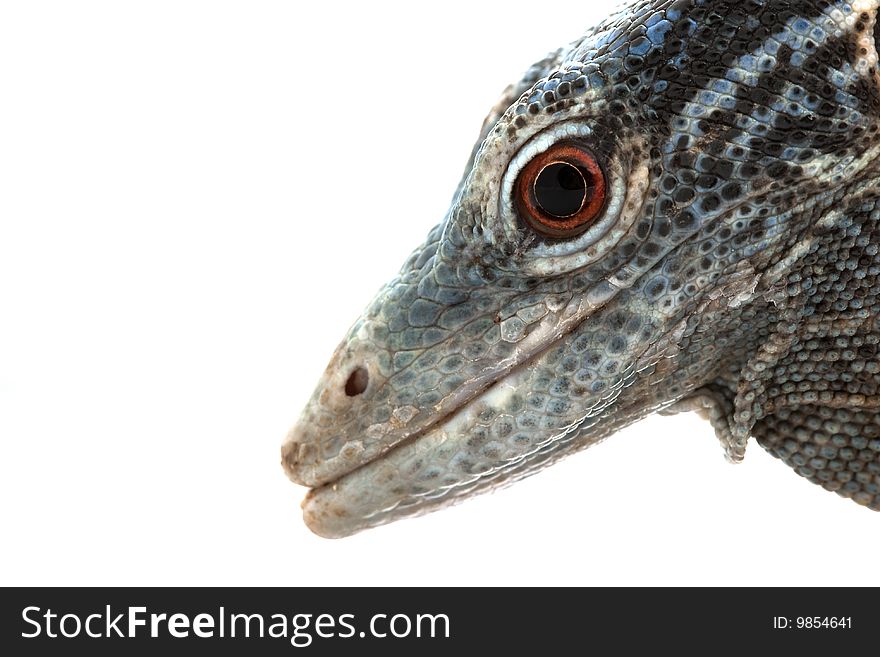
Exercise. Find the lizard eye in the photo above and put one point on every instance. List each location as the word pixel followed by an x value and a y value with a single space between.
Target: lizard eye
pixel 561 191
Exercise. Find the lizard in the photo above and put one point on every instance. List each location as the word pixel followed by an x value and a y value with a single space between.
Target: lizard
pixel 678 211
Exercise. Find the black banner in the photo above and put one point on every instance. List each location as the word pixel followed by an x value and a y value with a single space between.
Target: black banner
pixel 434 621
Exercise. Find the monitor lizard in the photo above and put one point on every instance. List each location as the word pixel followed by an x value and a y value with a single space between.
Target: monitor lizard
pixel 679 211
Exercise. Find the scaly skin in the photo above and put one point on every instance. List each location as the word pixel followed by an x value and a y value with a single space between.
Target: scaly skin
pixel 734 271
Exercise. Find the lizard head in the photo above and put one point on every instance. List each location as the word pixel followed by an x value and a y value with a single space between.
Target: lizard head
pixel 621 243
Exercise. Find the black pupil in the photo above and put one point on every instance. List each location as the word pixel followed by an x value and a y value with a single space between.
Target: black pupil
pixel 560 189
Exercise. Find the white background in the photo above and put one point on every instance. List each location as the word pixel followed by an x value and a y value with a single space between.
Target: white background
pixel 196 200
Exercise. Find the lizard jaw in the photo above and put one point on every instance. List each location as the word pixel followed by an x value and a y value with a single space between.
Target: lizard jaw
pixel 440 465
pixel 412 478
pixel 305 439
pixel 365 496
pixel 437 463
pixel 370 492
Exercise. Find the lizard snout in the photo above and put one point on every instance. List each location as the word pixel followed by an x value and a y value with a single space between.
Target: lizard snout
pixel 324 441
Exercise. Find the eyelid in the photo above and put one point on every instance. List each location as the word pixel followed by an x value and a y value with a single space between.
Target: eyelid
pixel 626 191
pixel 534 147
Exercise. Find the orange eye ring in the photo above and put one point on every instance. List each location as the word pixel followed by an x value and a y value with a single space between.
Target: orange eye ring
pixel 561 191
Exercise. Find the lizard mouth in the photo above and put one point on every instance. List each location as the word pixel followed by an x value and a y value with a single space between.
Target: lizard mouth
pixel 350 502
pixel 439 467
pixel 453 454
pixel 425 471
pixel 309 456
pixel 433 424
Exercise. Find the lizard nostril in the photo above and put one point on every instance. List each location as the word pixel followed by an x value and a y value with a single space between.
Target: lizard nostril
pixel 357 382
